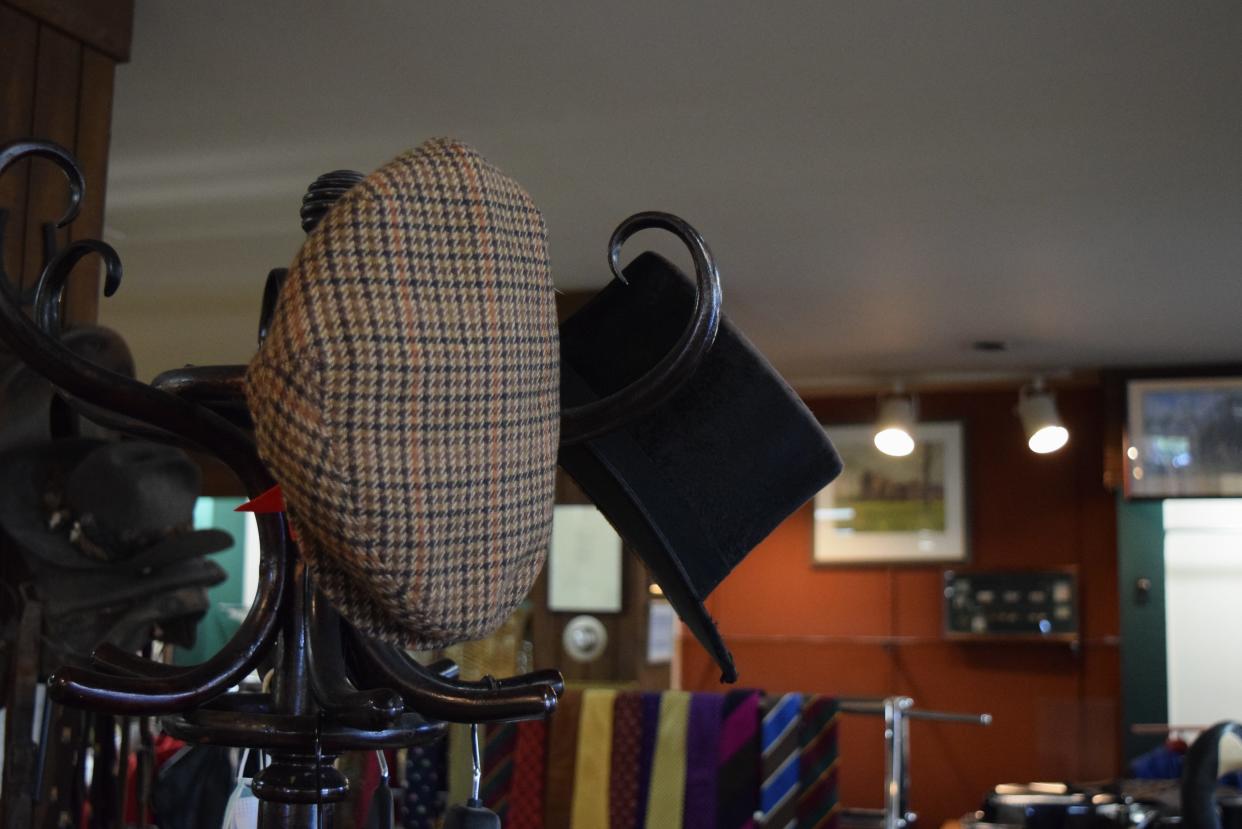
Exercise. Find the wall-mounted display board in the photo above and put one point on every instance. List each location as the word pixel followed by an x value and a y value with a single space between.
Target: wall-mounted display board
pixel 1011 604
pixel 1184 438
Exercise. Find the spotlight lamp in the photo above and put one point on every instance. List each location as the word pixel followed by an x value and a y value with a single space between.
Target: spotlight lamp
pixel 894 430
pixel 1037 409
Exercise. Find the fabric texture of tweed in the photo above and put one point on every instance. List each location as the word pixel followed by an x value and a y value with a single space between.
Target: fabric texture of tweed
pixel 407 398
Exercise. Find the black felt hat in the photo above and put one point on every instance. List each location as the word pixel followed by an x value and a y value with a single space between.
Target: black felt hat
pixel 694 486
pixel 83 504
pixel 29 407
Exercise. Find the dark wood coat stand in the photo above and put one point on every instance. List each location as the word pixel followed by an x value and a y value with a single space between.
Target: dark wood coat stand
pixel 333 690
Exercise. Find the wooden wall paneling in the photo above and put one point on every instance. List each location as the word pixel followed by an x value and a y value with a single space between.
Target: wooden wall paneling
pixel 106 25
pixel 94 130
pixel 624 660
pixel 18 55
pixel 56 84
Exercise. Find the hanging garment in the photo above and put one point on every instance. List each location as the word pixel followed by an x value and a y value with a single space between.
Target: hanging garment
pixel 738 762
pixel 381 812
pixel 646 752
pixel 425 782
pixel 666 797
pixel 192 789
pixel 591 766
pixel 817 745
pixel 562 756
pixel 627 740
pixel 241 809
pixel 101 798
pixel 498 748
pixel 362 790
pixel 702 757
pixel 778 796
pixel 529 765
pixel 165 749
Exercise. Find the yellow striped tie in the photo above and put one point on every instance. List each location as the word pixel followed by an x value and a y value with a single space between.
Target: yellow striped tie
pixel 668 769
pixel 592 765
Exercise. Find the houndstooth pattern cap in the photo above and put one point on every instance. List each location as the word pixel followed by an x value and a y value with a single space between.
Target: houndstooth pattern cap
pixel 407 398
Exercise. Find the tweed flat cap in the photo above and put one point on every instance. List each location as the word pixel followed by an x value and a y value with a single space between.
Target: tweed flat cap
pixel 407 398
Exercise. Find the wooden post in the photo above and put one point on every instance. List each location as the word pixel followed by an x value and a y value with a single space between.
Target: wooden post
pixel 57 62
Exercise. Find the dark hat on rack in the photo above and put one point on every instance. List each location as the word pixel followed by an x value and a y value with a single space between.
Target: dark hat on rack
pixel 695 485
pixel 84 504
pixel 406 398
pixel 83 609
pixel 28 407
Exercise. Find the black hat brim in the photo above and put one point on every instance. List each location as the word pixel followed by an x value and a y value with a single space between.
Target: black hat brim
pixel 26 474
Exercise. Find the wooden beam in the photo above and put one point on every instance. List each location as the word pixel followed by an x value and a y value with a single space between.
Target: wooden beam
pixel 18 39
pixel 56 81
pixel 91 147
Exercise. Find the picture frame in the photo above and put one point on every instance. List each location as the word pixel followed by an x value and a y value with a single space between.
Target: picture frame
pixel 584 562
pixel 1183 438
pixel 887 510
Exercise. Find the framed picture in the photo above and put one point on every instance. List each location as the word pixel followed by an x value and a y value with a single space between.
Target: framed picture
pixel 887 510
pixel 1184 438
pixel 584 561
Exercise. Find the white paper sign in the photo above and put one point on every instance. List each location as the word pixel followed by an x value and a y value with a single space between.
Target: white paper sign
pixel 584 563
pixel 661 625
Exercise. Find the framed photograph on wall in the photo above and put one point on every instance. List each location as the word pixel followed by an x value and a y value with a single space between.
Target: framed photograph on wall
pixel 1184 438
pixel 887 510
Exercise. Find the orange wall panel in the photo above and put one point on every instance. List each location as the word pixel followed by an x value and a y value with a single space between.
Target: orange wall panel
pixel 872 631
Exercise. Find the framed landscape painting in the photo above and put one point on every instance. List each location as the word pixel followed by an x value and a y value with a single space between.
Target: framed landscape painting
pixel 887 510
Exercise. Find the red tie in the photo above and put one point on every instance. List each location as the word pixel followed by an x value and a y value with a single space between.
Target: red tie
pixel 627 738
pixel 529 762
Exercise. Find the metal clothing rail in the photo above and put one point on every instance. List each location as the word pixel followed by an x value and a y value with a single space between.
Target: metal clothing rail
pixel 897 711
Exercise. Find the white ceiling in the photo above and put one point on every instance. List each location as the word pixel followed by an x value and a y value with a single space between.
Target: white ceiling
pixel 883 183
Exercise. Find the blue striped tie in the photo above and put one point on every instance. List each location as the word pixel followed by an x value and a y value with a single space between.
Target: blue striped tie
pixel 778 795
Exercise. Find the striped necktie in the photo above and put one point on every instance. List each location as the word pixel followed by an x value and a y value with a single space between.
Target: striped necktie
pixel 737 792
pixel 781 773
pixel 817 803
pixel 646 752
pixel 498 749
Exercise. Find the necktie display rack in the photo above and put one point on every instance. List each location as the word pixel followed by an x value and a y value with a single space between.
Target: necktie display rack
pixel 332 689
pixel 897 712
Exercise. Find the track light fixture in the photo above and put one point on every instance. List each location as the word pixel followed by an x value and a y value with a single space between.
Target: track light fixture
pixel 894 429
pixel 1037 409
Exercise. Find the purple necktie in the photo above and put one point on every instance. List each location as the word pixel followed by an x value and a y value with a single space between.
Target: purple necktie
pixel 702 756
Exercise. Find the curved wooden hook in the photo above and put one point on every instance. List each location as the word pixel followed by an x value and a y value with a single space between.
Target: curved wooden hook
pixel 599 417
pixel 430 694
pixel 79 378
pixel 16 151
pixel 49 296
pixel 326 671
